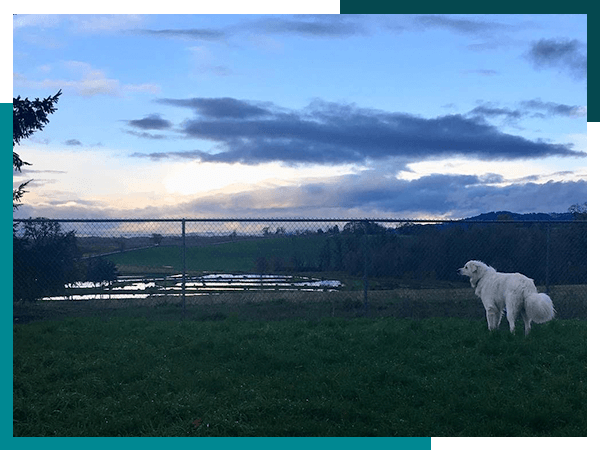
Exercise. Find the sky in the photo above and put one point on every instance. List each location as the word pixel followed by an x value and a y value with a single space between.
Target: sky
pixel 313 116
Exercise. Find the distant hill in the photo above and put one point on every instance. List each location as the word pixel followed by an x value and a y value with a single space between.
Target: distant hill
pixel 494 215
pixel 499 216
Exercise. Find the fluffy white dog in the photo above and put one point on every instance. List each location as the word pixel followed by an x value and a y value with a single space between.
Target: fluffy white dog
pixel 512 291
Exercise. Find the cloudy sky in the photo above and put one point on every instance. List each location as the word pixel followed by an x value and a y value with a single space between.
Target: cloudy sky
pixel 397 116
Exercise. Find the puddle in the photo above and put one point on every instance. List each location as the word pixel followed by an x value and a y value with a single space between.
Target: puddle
pixel 129 287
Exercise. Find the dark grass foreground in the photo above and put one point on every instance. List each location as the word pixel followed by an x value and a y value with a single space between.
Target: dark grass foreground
pixel 330 377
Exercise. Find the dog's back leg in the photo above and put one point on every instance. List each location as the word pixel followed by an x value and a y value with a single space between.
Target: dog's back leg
pixel 527 321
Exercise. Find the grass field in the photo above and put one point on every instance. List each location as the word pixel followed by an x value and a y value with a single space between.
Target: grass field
pixel 125 376
pixel 418 362
pixel 239 256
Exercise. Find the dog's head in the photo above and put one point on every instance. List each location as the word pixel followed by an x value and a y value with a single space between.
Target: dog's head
pixel 474 270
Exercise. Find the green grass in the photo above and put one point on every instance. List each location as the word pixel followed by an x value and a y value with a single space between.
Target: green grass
pixel 237 256
pixel 362 377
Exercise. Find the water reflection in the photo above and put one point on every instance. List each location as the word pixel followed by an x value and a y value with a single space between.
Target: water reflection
pixel 130 287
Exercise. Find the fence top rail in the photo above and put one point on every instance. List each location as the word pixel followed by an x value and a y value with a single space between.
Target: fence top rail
pixel 272 219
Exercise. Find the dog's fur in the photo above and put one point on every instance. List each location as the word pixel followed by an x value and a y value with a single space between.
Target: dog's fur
pixel 512 291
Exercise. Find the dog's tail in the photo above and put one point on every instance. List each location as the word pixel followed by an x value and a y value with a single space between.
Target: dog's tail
pixel 539 308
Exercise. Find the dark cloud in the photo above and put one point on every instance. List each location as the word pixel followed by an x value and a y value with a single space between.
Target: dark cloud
pixel 528 108
pixel 555 109
pixel 146 135
pixel 534 178
pixel 151 122
pixel 485 34
pixel 203 34
pixel 157 156
pixel 368 194
pixel 73 142
pixel 560 54
pixel 311 26
pixel 461 25
pixel 219 108
pixel 344 133
pixel 529 197
pixel 490 111
pixel 317 26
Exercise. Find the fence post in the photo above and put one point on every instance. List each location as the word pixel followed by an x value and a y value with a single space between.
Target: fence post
pixel 365 274
pixel 548 258
pixel 183 271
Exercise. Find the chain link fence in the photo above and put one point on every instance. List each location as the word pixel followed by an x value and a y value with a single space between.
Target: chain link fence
pixel 273 268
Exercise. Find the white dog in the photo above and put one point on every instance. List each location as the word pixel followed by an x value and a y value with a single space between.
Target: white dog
pixel 512 291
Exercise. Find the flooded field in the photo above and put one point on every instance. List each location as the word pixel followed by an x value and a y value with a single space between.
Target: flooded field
pixel 135 287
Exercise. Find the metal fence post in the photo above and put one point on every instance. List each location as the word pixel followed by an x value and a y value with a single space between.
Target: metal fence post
pixel 548 258
pixel 365 274
pixel 183 271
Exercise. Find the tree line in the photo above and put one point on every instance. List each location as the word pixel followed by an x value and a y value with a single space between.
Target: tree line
pixel 556 252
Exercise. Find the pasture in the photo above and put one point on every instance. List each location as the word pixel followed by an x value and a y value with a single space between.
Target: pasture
pixel 221 375
pixel 236 256
pixel 419 361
